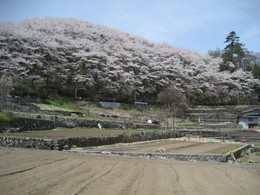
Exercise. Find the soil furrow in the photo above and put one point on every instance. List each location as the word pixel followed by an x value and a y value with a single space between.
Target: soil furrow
pixel 31 168
pixel 95 179
pixel 238 184
pixel 140 179
pixel 57 175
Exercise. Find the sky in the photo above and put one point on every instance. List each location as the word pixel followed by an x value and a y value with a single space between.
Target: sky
pixel 198 25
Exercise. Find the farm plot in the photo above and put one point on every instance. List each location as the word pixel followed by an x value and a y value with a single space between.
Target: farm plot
pixel 75 132
pixel 51 172
pixel 172 146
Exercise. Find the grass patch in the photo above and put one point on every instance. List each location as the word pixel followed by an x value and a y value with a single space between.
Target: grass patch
pixel 257 153
pixel 154 108
pixel 62 116
pixel 232 149
pixel 186 124
pixel 78 128
pixel 85 118
pixel 7 117
pixel 128 106
pixel 251 161
pixel 59 105
pixel 257 144
pixel 153 130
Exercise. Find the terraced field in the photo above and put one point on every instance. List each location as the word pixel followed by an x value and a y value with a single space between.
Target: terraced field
pixel 26 172
pixel 74 132
pixel 172 146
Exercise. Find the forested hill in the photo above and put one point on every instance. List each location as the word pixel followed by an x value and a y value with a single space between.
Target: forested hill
pixel 69 57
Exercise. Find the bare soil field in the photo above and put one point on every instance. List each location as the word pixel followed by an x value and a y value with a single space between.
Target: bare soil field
pixel 26 172
pixel 172 146
pixel 75 132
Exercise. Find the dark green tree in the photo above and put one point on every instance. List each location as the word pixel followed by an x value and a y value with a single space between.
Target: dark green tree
pixel 255 65
pixel 256 71
pixel 233 53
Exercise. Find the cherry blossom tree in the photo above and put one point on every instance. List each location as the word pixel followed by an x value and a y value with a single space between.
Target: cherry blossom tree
pixel 6 87
pixel 69 57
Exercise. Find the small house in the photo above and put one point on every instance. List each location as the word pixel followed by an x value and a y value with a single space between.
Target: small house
pixel 249 118
pixel 110 104
pixel 141 105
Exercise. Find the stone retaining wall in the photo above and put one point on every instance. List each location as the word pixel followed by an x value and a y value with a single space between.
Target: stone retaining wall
pixel 237 152
pixel 38 143
pixel 77 122
pixel 28 124
pixel 221 158
pixel 241 136
pixel 74 122
pixel 60 144
pixel 99 141
pixel 256 149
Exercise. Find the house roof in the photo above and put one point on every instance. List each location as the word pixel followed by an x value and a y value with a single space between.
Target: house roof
pixel 144 103
pixel 248 117
pixel 255 112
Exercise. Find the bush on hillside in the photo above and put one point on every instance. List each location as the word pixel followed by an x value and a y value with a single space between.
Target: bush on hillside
pixel 7 117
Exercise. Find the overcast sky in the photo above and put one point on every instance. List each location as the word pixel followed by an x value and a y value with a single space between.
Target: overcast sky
pixel 199 25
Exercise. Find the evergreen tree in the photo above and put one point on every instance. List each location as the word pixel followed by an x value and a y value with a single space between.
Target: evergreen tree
pixel 256 71
pixel 233 53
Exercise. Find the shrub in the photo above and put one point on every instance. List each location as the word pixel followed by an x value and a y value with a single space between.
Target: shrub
pixel 257 154
pixel 251 161
pixel 128 107
pixel 7 117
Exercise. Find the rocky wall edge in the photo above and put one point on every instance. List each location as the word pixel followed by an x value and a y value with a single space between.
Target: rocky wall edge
pixel 67 143
pixel 219 158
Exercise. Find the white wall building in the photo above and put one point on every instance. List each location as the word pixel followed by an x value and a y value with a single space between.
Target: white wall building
pixel 249 119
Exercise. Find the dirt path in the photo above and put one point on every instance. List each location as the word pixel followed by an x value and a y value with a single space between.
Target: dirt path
pixel 26 172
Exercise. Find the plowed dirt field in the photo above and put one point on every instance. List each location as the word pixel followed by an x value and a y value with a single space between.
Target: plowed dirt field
pixel 26 172
pixel 74 132
pixel 172 146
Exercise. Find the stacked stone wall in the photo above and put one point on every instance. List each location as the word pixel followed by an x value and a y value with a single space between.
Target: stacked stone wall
pixel 60 144
pixel 23 124
pixel 220 158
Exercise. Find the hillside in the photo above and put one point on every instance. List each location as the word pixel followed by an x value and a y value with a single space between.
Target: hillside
pixel 73 58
